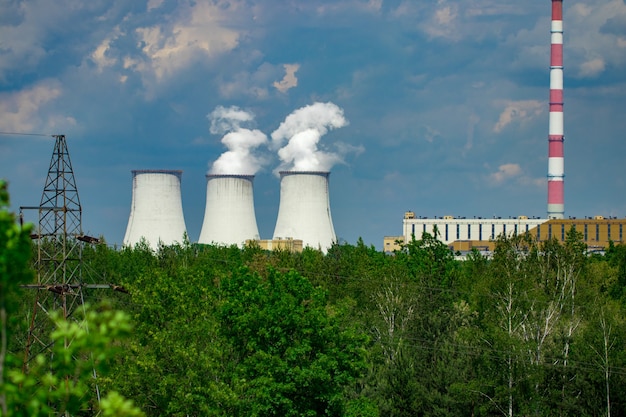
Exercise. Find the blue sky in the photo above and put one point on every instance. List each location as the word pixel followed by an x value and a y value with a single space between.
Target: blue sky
pixel 445 102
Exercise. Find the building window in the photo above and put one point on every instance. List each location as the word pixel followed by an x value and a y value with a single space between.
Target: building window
pixel 504 229
pixel 526 227
pixel 413 229
pixel 446 231
pixel 608 231
pixel 620 231
pixel 480 231
pixel 549 231
pixel 597 232
pixel 563 232
pixel 458 231
pixel 469 232
pixel 538 232
pixel 586 235
pixel 493 231
pixel 423 229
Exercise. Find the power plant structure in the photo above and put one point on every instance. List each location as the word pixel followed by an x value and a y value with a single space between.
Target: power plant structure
pixel 556 201
pixel 229 217
pixel 156 214
pixel 304 218
pixel 304 209
pixel 462 234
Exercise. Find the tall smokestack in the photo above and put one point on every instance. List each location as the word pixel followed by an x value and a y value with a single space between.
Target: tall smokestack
pixel 556 202
pixel 229 217
pixel 156 213
pixel 304 209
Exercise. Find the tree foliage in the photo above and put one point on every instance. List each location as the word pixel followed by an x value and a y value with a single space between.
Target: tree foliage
pixel 534 328
pixel 60 383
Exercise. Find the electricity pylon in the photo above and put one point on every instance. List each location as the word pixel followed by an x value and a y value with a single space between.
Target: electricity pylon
pixel 60 241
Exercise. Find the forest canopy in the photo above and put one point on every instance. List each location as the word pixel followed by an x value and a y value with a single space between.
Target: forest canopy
pixel 534 328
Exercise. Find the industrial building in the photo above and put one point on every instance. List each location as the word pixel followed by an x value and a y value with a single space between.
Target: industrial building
pixel 463 234
pixel 289 245
pixel 450 229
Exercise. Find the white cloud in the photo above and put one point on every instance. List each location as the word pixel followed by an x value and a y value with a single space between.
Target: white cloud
pixel 289 80
pixel 429 133
pixel 154 4
pixel 374 5
pixel 592 67
pixel 518 111
pixel 253 84
pixel 167 48
pixel 444 23
pixel 582 9
pixel 592 50
pixel 101 54
pixel 337 7
pixel 242 84
pixel 445 16
pixel 24 111
pixel 505 172
pixel 513 172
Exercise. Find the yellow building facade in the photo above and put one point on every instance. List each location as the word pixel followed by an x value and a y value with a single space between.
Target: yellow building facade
pixel 291 245
pixel 596 232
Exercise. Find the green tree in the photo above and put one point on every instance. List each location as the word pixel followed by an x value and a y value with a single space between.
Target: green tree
pixel 15 252
pixel 175 365
pixel 290 356
pixel 59 383
pixel 63 382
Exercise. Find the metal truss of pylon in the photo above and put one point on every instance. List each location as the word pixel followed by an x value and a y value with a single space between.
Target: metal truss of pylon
pixel 58 264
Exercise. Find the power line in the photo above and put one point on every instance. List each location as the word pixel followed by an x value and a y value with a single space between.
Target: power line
pixel 26 134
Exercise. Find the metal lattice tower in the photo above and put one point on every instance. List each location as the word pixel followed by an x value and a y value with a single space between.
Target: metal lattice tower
pixel 58 263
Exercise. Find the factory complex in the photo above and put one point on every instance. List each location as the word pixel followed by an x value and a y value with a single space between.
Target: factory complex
pixel 304 218
pixel 463 235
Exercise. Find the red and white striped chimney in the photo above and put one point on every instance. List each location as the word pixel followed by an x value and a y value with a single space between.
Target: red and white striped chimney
pixel 556 203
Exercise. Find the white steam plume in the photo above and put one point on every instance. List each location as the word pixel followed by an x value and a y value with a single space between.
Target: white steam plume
pixel 240 141
pixel 303 129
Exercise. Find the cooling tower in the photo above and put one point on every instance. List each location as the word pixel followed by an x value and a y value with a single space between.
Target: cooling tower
pixel 304 209
pixel 229 217
pixel 156 213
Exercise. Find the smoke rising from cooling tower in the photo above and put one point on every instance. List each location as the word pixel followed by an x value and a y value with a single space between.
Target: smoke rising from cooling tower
pixel 302 130
pixel 239 159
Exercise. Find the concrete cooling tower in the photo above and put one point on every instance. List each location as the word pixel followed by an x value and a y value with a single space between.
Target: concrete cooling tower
pixel 304 210
pixel 229 217
pixel 156 213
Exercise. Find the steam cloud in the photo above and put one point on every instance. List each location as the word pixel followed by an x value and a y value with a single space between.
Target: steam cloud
pixel 240 141
pixel 302 130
